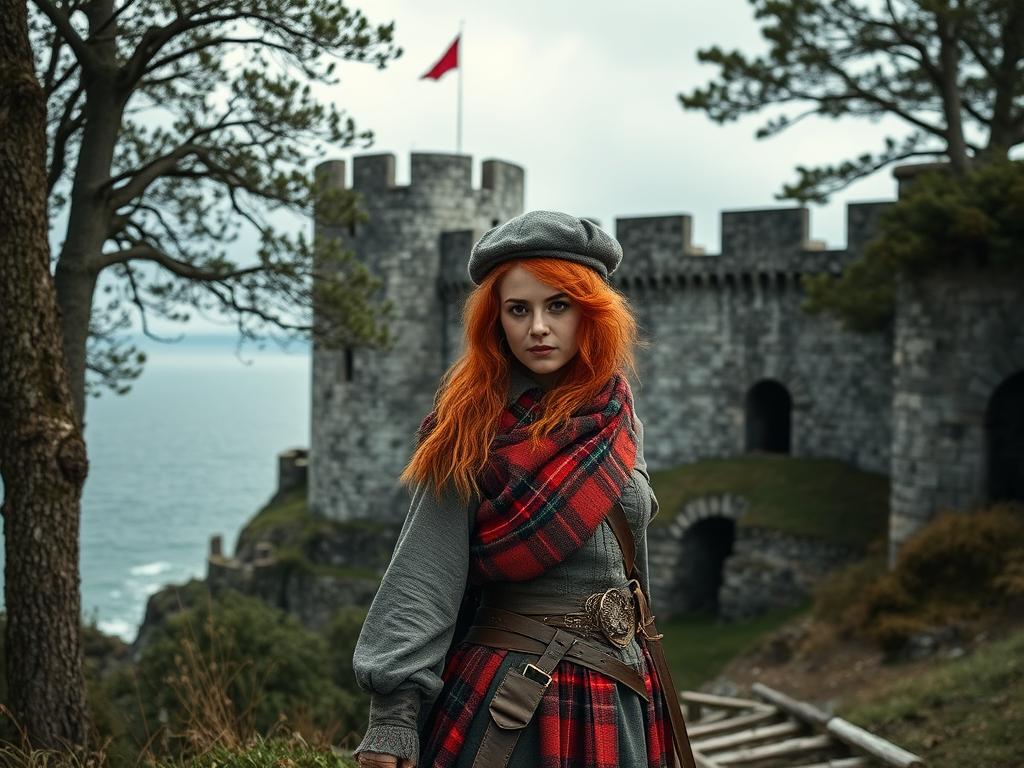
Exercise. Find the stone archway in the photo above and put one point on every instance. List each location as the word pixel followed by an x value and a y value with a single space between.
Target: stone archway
pixel 768 412
pixel 687 561
pixel 1004 440
pixel 704 548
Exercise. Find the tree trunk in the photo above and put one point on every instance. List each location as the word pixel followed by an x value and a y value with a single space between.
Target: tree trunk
pixel 90 215
pixel 949 65
pixel 42 455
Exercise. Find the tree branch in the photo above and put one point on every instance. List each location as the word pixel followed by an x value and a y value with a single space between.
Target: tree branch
pixel 65 130
pixel 62 23
pixel 143 251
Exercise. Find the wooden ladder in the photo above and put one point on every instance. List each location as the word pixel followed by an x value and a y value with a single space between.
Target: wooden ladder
pixel 776 731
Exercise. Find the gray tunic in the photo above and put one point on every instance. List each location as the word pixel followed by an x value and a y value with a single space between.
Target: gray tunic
pixel 400 652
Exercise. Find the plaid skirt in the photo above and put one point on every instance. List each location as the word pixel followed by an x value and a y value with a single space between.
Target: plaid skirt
pixel 585 719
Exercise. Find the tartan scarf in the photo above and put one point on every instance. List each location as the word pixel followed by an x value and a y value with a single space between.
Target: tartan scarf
pixel 540 505
pixel 577 717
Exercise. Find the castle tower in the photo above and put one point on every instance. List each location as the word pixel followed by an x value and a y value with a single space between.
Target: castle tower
pixel 367 404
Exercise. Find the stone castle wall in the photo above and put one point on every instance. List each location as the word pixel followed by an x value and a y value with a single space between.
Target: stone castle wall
pixel 948 450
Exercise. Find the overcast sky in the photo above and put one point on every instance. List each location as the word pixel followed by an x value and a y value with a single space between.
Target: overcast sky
pixel 583 95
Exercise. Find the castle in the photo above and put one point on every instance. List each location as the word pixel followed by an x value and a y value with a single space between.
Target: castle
pixel 936 401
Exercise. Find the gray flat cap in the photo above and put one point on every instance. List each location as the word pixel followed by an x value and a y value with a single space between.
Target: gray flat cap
pixel 545 233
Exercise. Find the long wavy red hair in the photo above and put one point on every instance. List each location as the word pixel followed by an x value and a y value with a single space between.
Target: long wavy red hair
pixel 473 390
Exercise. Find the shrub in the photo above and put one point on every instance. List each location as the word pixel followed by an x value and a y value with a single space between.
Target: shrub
pixel 956 568
pixel 220 674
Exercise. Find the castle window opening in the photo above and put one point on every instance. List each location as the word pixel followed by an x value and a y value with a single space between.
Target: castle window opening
pixel 706 544
pixel 349 364
pixel 769 409
pixel 1004 438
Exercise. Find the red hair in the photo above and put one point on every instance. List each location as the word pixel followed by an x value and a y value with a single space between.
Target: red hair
pixel 473 390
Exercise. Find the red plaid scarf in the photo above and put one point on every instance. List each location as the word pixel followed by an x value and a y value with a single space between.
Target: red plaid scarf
pixel 539 505
pixel 576 719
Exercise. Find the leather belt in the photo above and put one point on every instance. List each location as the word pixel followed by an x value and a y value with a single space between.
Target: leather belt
pixel 610 615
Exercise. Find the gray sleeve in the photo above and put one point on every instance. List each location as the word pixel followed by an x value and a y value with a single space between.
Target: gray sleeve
pixel 400 652
pixel 641 462
pixel 643 485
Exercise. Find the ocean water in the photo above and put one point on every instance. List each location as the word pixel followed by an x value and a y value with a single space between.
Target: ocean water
pixel 191 451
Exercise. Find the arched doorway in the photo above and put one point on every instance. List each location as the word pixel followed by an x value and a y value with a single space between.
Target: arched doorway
pixel 705 545
pixel 769 409
pixel 1004 437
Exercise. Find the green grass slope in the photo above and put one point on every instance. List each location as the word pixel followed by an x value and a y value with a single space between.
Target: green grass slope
pixel 821 498
pixel 957 713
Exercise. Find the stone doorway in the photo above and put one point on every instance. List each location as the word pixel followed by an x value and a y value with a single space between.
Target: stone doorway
pixel 704 548
pixel 1004 437
pixel 769 409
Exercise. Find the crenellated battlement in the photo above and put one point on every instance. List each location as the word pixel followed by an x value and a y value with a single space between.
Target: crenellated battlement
pixel 430 173
pixel 769 245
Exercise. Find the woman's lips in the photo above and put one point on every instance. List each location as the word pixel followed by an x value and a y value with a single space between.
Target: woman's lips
pixel 541 351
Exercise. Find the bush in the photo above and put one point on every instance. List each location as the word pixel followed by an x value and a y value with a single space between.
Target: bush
pixel 956 568
pixel 219 675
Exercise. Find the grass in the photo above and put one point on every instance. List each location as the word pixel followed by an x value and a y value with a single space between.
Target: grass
pixel 266 753
pixel 697 649
pixel 274 752
pixel 291 512
pixel 825 499
pixel 287 522
pixel 962 712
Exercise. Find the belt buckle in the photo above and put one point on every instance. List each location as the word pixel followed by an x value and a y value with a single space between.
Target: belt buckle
pixel 546 679
pixel 614 614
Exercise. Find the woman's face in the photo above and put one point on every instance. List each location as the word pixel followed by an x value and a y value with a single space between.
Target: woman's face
pixel 540 324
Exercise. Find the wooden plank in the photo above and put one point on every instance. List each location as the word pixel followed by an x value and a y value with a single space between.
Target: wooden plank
pixel 799 709
pixel 788 748
pixel 750 736
pixel 730 724
pixel 710 717
pixel 840 762
pixel 723 702
pixel 863 740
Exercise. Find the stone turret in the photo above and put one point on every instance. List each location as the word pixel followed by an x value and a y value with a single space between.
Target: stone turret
pixel 367 404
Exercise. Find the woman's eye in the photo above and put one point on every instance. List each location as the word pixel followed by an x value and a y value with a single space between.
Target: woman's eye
pixel 556 306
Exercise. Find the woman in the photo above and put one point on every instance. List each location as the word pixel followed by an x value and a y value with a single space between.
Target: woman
pixel 511 626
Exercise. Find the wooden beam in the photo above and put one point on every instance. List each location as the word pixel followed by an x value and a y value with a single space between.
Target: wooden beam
pixel 730 724
pixel 722 702
pixel 788 748
pixel 750 736
pixel 876 746
pixel 799 709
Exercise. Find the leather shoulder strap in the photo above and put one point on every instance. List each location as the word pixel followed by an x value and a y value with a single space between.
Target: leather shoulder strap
pixel 620 527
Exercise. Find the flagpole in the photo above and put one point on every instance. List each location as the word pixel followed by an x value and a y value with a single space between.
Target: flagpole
pixel 458 130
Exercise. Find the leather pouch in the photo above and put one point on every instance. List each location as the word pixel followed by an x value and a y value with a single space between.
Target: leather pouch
pixel 515 701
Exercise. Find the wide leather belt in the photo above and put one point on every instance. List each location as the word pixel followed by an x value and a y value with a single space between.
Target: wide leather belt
pixel 610 616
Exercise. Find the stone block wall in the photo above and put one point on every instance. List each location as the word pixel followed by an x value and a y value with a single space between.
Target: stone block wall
pixel 719 324
pixel 959 335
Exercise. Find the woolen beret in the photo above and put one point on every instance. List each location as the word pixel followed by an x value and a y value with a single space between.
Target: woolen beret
pixel 545 233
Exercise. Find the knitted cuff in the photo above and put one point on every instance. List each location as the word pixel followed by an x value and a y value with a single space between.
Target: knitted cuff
pixel 391 740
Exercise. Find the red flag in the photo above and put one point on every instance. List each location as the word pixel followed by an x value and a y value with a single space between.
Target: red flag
pixel 450 60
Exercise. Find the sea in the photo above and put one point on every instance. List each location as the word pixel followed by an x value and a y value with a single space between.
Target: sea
pixel 190 452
